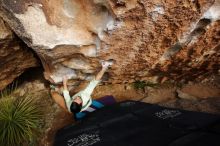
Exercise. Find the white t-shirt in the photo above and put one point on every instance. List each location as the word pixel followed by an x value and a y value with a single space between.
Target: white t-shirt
pixel 85 95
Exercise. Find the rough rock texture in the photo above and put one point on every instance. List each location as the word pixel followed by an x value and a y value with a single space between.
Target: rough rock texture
pixel 199 91
pixel 15 57
pixel 148 40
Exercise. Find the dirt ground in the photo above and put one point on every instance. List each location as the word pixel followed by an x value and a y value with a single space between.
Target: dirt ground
pixel 203 96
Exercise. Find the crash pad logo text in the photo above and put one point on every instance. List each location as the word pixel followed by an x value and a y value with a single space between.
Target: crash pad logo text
pixel 84 140
pixel 167 113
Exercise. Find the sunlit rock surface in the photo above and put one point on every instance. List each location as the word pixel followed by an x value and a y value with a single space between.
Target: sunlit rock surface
pixel 148 40
pixel 15 57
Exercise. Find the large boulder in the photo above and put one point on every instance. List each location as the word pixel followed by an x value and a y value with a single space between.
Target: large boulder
pixel 15 56
pixel 148 40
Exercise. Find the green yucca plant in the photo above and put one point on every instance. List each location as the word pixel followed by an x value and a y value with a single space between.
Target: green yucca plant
pixel 9 89
pixel 19 118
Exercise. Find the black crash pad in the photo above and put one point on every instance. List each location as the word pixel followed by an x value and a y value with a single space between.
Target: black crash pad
pixel 133 123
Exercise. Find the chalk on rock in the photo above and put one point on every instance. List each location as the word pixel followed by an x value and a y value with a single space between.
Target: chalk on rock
pixel 108 62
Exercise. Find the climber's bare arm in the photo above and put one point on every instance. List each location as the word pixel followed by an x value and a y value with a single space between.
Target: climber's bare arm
pixel 100 74
pixel 65 80
pixel 105 66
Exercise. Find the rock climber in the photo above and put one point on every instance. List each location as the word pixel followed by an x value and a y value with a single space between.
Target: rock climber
pixel 81 103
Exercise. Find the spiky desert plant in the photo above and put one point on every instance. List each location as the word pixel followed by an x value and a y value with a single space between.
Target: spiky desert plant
pixel 19 118
pixel 9 89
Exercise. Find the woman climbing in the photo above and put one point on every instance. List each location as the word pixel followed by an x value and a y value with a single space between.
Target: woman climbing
pixel 81 103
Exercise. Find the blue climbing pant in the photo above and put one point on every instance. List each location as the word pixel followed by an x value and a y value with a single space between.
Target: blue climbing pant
pixel 96 104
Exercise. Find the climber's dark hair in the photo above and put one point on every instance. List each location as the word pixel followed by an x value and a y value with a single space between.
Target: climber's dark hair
pixel 75 107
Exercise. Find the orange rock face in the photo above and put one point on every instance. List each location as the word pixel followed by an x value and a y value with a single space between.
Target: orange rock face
pixel 15 57
pixel 148 40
